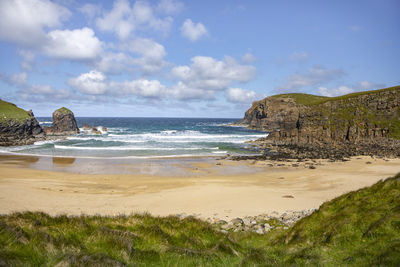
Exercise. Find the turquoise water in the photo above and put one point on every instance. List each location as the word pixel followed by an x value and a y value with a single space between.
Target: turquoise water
pixel 148 138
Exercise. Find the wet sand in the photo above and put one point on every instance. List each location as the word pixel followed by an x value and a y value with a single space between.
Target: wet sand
pixel 204 186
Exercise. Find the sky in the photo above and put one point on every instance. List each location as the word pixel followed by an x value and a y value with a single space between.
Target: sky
pixel 175 58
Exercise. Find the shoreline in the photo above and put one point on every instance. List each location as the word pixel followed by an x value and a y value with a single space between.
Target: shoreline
pixel 211 189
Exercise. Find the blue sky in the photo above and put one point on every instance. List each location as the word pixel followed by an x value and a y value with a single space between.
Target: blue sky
pixel 170 58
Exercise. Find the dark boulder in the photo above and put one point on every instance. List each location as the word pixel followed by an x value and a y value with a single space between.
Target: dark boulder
pixel 64 123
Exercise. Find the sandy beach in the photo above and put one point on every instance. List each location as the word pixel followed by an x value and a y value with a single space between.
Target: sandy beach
pixel 206 188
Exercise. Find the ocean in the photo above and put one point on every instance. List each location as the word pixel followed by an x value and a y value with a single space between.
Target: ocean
pixel 147 138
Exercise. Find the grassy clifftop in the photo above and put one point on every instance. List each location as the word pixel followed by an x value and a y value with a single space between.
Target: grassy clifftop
pixel 310 100
pixel 361 228
pixel 63 110
pixel 10 112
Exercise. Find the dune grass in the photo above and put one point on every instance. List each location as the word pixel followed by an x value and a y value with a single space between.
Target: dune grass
pixel 361 228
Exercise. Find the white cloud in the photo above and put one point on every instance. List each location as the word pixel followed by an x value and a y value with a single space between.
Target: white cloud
pixel 238 95
pixel 210 74
pixel 90 10
pixel 114 63
pixel 23 21
pixel 92 83
pixel 182 92
pixel 19 79
pixel 141 87
pixel 16 79
pixel 193 31
pixel 28 59
pixel 123 19
pixel 170 7
pixel 313 77
pixel 151 54
pixel 80 44
pixel 248 58
pixel 96 83
pixel 338 91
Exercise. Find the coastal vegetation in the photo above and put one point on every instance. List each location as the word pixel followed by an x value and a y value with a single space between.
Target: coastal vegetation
pixel 11 113
pixel 360 228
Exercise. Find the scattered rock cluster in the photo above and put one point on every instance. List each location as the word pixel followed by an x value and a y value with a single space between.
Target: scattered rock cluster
pixel 88 129
pixel 259 224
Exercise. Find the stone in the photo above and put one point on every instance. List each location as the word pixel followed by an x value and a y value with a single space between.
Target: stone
pixel 64 123
pixel 237 221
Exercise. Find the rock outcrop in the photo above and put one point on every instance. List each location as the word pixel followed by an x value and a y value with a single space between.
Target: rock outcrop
pixel 17 126
pixel 365 118
pixel 64 123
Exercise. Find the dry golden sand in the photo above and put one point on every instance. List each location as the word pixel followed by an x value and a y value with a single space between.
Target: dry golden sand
pixel 223 189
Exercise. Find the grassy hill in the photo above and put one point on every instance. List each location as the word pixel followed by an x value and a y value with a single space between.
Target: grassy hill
pixel 310 100
pixel 9 111
pixel 361 228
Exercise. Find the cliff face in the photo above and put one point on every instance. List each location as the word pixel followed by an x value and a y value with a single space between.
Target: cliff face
pixel 307 119
pixel 64 123
pixel 17 126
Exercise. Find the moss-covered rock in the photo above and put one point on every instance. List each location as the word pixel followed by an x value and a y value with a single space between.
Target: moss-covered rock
pixel 64 123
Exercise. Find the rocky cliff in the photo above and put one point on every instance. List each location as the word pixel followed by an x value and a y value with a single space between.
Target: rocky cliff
pixel 17 126
pixel 301 119
pixel 64 123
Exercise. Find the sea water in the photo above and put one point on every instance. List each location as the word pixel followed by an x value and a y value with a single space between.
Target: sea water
pixel 147 138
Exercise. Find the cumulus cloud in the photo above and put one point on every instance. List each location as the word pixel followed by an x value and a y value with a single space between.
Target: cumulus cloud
pixel 114 63
pixel 239 95
pixel 141 87
pixel 151 54
pixel 193 31
pixel 211 74
pixel 96 83
pixel 313 77
pixel 79 44
pixel 170 7
pixel 23 21
pixel 123 19
pixel 181 91
pixel 92 83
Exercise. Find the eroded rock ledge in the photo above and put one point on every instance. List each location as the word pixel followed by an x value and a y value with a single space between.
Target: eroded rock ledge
pixel 308 126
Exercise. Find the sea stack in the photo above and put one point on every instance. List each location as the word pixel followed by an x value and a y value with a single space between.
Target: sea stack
pixel 18 126
pixel 64 123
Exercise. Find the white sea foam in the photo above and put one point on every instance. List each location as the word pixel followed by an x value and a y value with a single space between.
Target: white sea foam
pixel 45 122
pixel 133 148
pixel 40 143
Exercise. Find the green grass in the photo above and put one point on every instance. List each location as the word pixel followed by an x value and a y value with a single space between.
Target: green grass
pixel 63 110
pixel 310 100
pixel 10 112
pixel 361 228
pixel 304 99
